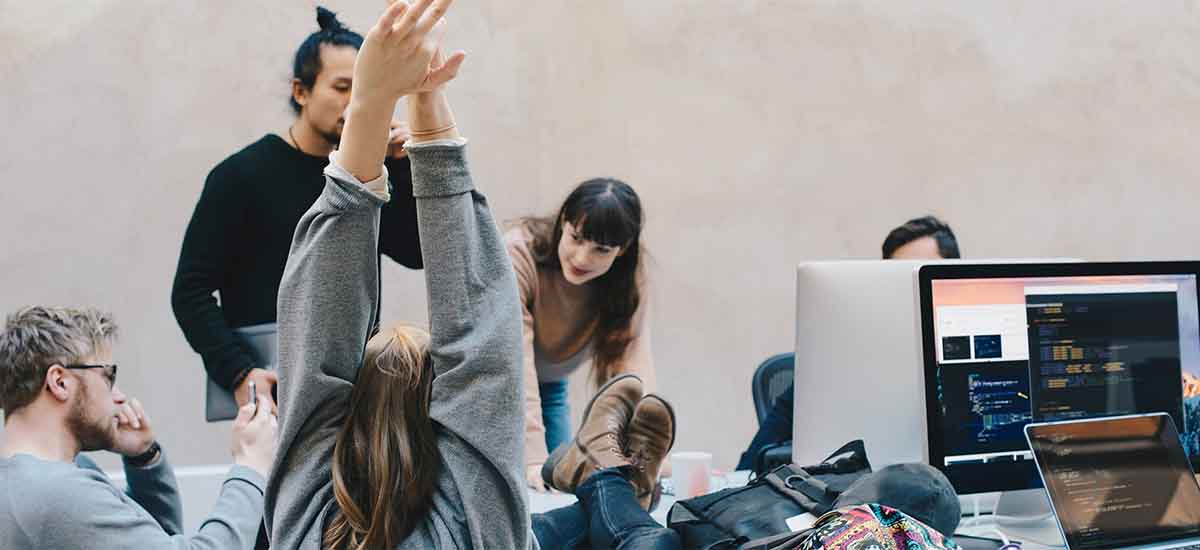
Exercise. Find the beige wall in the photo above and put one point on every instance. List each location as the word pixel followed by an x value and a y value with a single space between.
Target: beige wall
pixel 760 134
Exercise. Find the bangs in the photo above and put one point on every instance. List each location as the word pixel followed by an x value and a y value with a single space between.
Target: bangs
pixel 604 220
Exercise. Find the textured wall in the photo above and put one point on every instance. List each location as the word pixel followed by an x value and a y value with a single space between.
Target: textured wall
pixel 760 133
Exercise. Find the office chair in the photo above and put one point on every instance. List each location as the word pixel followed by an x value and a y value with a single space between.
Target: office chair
pixel 771 378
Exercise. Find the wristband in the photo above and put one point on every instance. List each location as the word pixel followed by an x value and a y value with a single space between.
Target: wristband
pixel 145 458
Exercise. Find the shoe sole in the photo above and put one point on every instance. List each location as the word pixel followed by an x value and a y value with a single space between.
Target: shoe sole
pixel 556 456
pixel 654 497
pixel 670 411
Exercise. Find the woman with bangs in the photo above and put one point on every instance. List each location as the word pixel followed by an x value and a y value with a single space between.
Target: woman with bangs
pixel 584 302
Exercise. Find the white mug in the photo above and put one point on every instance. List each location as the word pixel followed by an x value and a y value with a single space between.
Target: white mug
pixel 691 474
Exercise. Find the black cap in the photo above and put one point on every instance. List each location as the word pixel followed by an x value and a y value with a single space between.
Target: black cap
pixel 919 490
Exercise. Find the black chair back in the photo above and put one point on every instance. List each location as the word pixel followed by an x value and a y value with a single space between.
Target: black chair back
pixel 771 379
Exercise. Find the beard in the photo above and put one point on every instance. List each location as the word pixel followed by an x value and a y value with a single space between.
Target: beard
pixel 334 136
pixel 92 434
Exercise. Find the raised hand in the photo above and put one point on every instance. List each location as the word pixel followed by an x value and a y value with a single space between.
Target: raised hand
pixel 399 55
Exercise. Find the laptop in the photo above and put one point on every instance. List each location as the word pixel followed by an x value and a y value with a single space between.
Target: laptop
pixel 1118 482
pixel 219 403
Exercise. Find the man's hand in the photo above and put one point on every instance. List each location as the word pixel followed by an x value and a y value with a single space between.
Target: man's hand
pixel 264 380
pixel 134 435
pixel 397 137
pixel 256 436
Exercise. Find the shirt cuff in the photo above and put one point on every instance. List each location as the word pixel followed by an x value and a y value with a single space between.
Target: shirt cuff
pixel 453 142
pixel 377 186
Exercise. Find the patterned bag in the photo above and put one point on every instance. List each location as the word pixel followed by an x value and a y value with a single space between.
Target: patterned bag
pixel 864 527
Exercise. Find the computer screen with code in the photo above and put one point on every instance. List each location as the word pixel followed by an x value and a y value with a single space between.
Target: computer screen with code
pixel 1010 351
pixel 1118 482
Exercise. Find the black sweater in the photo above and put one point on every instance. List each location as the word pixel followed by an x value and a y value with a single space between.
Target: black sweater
pixel 238 239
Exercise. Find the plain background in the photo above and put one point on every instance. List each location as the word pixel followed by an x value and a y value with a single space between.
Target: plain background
pixel 759 134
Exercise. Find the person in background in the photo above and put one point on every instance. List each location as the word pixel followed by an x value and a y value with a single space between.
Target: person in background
pixel 926 238
pixel 59 395
pixel 237 241
pixel 584 305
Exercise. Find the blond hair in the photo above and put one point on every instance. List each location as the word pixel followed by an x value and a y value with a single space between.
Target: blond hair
pixel 37 337
pixel 385 461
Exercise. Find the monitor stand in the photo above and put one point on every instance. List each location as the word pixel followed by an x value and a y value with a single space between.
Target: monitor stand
pixel 1026 516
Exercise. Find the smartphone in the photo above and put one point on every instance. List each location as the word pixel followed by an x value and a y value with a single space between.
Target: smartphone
pixel 253 394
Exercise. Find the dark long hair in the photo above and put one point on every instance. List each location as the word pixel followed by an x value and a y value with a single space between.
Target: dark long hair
pixel 385 459
pixel 608 212
pixel 307 64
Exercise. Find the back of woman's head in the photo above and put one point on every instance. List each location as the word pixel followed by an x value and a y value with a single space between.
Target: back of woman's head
pixel 607 212
pixel 385 461
pixel 307 64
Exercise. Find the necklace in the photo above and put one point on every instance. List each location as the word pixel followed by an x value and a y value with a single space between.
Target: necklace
pixel 295 143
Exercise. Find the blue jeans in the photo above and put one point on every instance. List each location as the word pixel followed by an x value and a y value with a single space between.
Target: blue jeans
pixel 607 516
pixel 556 413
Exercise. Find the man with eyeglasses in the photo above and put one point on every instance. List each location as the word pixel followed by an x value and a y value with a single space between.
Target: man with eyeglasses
pixel 59 395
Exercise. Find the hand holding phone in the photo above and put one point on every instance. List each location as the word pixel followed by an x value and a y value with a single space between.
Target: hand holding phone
pixel 254 394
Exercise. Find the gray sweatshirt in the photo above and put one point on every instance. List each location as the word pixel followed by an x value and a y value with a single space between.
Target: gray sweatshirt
pixel 51 504
pixel 329 290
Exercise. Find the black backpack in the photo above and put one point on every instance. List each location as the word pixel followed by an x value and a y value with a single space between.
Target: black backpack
pixel 732 517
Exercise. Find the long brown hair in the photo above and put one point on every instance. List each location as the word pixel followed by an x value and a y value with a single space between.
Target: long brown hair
pixel 385 461
pixel 605 211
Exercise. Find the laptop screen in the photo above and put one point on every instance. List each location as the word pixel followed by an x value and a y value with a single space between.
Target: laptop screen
pixel 1117 481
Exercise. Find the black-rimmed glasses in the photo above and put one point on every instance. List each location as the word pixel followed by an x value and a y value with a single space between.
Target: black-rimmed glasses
pixel 109 372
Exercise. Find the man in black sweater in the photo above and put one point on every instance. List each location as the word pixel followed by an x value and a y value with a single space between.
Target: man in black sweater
pixel 238 238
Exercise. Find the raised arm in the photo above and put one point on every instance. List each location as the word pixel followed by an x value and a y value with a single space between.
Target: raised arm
pixel 475 325
pixel 474 310
pixel 327 301
pixel 330 287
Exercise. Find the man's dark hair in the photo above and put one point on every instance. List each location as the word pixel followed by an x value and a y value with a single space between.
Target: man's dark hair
pixel 307 65
pixel 914 229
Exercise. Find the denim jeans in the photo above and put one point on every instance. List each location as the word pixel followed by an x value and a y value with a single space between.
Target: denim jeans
pixel 556 413
pixel 606 516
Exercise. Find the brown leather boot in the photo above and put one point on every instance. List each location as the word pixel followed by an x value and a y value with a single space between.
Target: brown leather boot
pixel 651 436
pixel 600 441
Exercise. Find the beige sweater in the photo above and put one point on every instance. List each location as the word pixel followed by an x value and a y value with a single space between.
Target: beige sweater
pixel 557 330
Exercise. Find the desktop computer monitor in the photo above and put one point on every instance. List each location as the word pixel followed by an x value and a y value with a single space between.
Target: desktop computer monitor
pixel 858 361
pixel 859 371
pixel 1008 344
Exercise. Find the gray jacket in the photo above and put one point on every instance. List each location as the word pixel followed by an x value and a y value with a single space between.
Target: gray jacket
pixel 329 292
pixel 48 504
